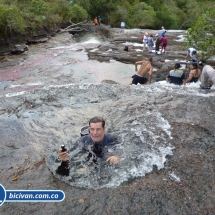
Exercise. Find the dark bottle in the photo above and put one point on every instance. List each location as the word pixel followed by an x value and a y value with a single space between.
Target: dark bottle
pixel 63 169
pixel 63 148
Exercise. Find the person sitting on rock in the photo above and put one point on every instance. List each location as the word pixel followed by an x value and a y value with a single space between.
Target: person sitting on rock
pixel 146 67
pixel 191 52
pixel 194 73
pixel 96 140
pixel 207 76
pixel 176 76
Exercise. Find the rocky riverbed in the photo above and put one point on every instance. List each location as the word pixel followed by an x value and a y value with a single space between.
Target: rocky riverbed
pixel 50 92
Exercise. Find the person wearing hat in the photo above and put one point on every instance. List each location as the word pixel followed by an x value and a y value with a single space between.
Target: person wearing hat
pixel 207 76
pixel 176 76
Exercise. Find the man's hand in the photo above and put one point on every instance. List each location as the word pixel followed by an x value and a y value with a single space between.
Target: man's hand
pixel 63 156
pixel 113 159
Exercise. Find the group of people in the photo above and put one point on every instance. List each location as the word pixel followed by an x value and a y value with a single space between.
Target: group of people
pixel 160 39
pixel 97 20
pixel 177 75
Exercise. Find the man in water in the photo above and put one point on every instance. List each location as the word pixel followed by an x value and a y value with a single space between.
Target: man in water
pixel 208 74
pixel 176 76
pixel 97 139
pixel 146 67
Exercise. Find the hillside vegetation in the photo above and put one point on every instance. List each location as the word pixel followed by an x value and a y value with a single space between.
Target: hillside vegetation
pixel 198 16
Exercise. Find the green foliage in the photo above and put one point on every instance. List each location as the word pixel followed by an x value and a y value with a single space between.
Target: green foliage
pixel 201 35
pixel 144 15
pixel 77 14
pixel 15 15
pixel 165 18
pixel 11 20
pixel 119 15
pixel 60 9
pixel 39 7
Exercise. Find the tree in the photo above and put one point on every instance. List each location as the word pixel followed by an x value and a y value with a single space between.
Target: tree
pixel 164 17
pixel 11 20
pixel 144 15
pixel 201 35
pixel 78 14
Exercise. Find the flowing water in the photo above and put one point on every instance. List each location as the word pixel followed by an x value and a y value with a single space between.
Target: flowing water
pixel 53 93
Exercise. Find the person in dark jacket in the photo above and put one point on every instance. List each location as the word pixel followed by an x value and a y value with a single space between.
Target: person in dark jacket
pixel 94 142
pixel 176 76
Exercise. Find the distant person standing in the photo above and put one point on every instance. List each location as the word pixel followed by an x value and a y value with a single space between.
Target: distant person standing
pixel 176 76
pixel 191 53
pixel 150 43
pixel 146 67
pixel 163 41
pixel 208 75
pixel 95 21
pixel 122 25
pixel 145 40
pixel 99 20
pixel 157 43
pixel 163 32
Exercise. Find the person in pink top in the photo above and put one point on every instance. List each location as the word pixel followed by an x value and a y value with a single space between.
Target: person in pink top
pixel 163 41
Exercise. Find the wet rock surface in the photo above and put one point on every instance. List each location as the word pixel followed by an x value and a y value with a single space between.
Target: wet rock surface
pixel 46 100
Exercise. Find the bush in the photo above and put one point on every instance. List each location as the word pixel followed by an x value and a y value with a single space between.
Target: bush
pixel 77 14
pixel 39 7
pixel 11 20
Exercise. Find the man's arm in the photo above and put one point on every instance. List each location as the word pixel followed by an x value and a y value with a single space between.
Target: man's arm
pixel 137 63
pixel 63 156
pixel 113 141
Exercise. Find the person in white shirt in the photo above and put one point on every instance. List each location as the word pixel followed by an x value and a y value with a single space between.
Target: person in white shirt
pixel 191 52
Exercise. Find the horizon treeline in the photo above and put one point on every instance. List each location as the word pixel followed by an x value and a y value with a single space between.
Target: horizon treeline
pixel 19 16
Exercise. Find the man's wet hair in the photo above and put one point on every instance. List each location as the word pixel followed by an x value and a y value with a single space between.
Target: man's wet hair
pixel 97 119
